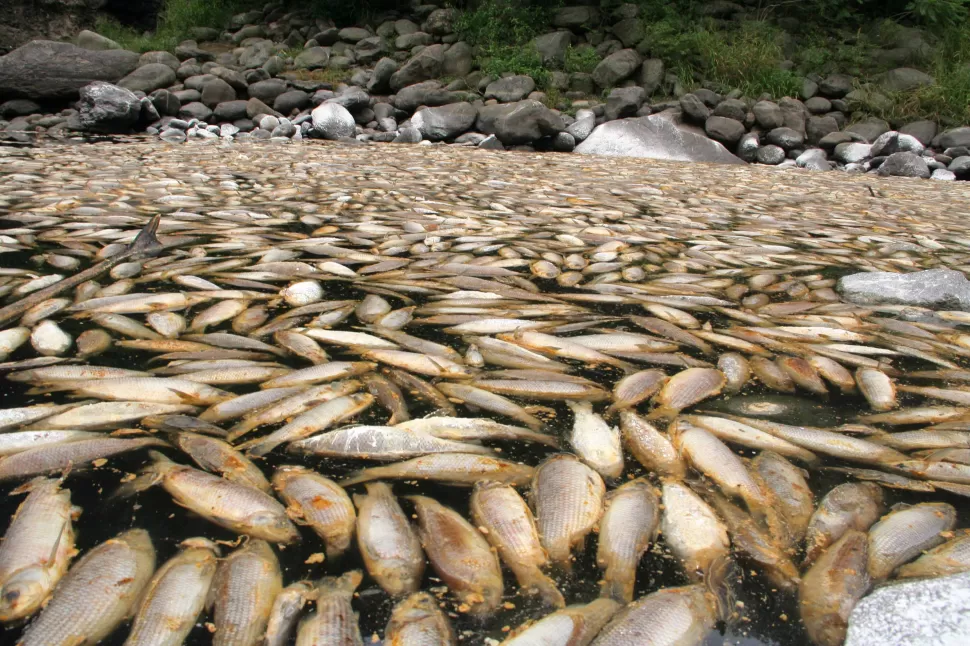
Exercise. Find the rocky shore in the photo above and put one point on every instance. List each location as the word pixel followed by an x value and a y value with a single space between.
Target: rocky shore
pixel 273 74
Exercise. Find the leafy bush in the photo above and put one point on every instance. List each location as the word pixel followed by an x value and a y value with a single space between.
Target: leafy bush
pixel 174 22
pixel 581 59
pixel 936 13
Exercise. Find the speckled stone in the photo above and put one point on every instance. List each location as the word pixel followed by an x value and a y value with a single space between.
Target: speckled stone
pixel 935 612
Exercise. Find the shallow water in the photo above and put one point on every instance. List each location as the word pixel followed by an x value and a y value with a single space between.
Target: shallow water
pixel 764 616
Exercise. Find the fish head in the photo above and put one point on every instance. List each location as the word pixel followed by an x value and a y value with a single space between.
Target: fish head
pixel 275 528
pixel 23 593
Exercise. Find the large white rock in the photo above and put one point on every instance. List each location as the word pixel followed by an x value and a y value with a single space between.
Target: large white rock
pixel 934 612
pixel 935 288
pixel 654 137
pixel 332 121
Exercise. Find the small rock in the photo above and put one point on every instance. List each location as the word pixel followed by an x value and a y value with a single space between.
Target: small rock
pixel 770 154
pixel 768 115
pixel 312 59
pixel 269 122
pixel 510 89
pixel 408 136
pixel 107 108
pixel 904 79
pixel 616 67
pixel 149 78
pixel 905 164
pixel 651 75
pixel 624 102
pixel 491 142
pixel 694 109
pixel 853 153
pixel 267 91
pixel 164 58
pixel 893 142
pixel 813 159
pixel 725 130
pixel 960 165
pixel 836 85
pixel 552 47
pixel 953 138
pixel 818 105
pixel 923 131
pixel 217 91
pixel 95 41
pixel 445 122
pixel 583 126
pixel 748 147
pixel 332 121
pixel 785 138
pixel 869 130
pixel 353 34
pixel 732 109
pixel 563 142
pixel 230 111
pixel 195 110
pixel 172 136
pixel 380 81
pixel 943 174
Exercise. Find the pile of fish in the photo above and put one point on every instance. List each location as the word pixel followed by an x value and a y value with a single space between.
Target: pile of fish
pixel 501 394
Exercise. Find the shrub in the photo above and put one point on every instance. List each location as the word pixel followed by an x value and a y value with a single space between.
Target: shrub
pixel 581 59
pixel 174 22
pixel 501 32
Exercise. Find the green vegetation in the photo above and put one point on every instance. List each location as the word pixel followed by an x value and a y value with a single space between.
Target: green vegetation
pixel 175 22
pixel 581 59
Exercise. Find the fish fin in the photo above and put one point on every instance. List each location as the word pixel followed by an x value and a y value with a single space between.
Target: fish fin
pixel 187 398
pixel 717 579
pixel 26 487
pixel 547 590
pixel 619 589
pixel 364 475
pixel 146 241
pixel 149 477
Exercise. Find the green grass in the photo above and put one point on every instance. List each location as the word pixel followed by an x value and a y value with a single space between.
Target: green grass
pixel 174 23
pixel 501 32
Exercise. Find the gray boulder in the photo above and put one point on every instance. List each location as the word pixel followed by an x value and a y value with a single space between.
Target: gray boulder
pixel 575 17
pixel 429 93
pixel 195 110
pixel 724 129
pixel 267 91
pixel 290 101
pixel 165 58
pixel 836 86
pixel 491 142
pixel 924 130
pixel 217 91
pixel 165 102
pixel 380 80
pixel 768 115
pixel 933 288
pixel 616 67
pixel 352 98
pixel 230 76
pixel 313 58
pixel 943 174
pixel 353 34
pixel 255 55
pixel 748 147
pixel 624 102
pixel 44 69
pixel 519 123
pixel 905 164
pixel 732 109
pixel 948 139
pixel 931 612
pixel 552 47
pixel 771 155
pixel 694 109
pixel 332 121
pixel 149 78
pixel 190 49
pixel 510 89
pixel 581 128
pixel 818 105
pixel 893 142
pixel 405 26
pixel 563 142
pixel 95 41
pixel 444 122
pixel 904 79
pixel 458 60
pixel 852 152
pixel 440 21
pixel 785 138
pixel 870 129
pixel 407 136
pixel 107 108
pixel 651 75
pixel 230 111
pixel 425 66
pixel 629 31
pixel 817 128
pixel 654 137
pixel 813 159
pixel 412 40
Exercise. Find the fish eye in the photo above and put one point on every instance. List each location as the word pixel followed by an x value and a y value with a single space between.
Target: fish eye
pixel 11 596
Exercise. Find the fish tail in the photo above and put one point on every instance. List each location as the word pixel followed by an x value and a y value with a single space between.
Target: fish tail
pixel 146 241
pixel 717 579
pixel 547 590
pixel 617 587
pixel 364 475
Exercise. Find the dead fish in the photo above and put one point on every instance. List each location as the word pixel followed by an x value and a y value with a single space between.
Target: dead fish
pixel 333 621
pixel 389 545
pixel 453 468
pixel 245 586
pixel 417 620
pixel 460 555
pixel 693 531
pixel 505 519
pixel 575 625
pixel 951 557
pixel 832 587
pixel 650 447
pixel 595 442
pixel 96 594
pixel 685 389
pixel 56 458
pixel 669 616
pixel 635 388
pixel 903 534
pixel 877 388
pixel 472 429
pixel 285 615
pixel 311 499
pixel 568 500
pixel 629 524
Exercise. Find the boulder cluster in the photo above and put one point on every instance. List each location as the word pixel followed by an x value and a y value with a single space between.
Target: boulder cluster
pixel 278 74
